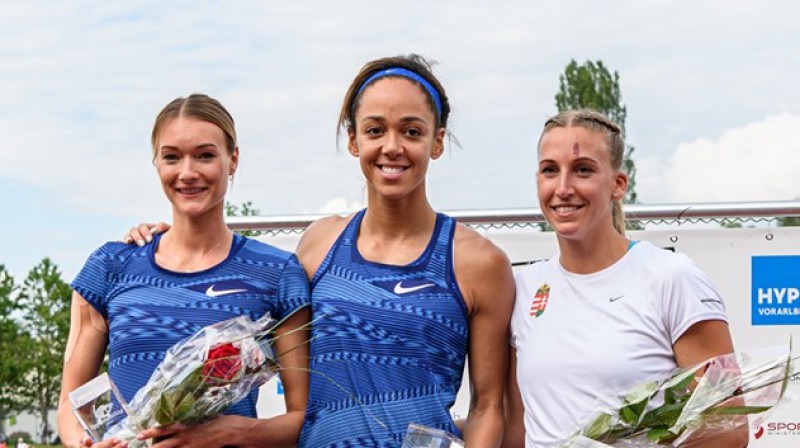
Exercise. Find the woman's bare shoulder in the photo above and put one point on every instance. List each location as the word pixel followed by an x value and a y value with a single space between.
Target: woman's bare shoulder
pixel 317 240
pixel 484 274
pixel 476 248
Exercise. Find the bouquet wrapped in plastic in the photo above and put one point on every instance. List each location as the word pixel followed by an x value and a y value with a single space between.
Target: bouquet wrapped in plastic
pixel 693 404
pixel 199 378
pixel 419 436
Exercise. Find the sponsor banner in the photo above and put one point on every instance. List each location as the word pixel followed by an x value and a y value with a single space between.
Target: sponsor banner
pixel 775 297
pixel 781 432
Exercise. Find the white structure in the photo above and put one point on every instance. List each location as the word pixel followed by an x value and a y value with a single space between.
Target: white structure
pixel 757 271
pixel 31 424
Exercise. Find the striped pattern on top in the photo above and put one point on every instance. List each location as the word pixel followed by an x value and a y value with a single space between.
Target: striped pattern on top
pixel 389 344
pixel 149 308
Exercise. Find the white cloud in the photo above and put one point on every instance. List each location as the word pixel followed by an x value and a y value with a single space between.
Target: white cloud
pixel 83 81
pixel 754 162
pixel 341 206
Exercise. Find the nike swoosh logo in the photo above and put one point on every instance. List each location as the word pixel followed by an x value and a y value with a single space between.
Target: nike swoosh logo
pixel 614 299
pixel 212 293
pixel 399 289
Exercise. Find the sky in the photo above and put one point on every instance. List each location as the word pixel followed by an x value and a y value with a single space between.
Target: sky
pixel 712 90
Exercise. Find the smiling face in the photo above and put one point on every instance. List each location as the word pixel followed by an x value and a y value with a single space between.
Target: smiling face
pixel 395 137
pixel 577 183
pixel 193 164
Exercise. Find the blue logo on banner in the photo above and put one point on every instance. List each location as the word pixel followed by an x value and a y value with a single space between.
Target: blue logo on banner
pixel 280 387
pixel 775 290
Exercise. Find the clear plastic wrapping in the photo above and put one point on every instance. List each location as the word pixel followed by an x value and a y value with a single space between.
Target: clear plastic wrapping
pixel 419 436
pixel 199 378
pixel 691 405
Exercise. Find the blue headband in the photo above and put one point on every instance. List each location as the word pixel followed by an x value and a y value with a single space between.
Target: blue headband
pixel 406 73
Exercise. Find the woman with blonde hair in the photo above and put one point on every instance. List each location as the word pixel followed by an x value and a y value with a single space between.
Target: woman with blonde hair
pixel 136 302
pixel 606 313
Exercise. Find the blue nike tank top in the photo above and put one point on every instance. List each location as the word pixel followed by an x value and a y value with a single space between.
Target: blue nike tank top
pixel 389 344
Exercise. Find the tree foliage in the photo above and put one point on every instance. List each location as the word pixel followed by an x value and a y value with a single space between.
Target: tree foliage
pixel 12 373
pixel 789 221
pixel 731 224
pixel 245 209
pixel 45 301
pixel 592 86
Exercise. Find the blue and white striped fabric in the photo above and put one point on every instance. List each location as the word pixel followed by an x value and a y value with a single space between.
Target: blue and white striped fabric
pixel 389 344
pixel 149 308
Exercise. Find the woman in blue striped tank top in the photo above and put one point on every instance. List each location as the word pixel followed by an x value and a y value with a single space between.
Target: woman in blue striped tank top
pixel 401 295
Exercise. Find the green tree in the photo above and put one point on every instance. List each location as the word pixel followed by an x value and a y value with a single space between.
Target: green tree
pixel 45 301
pixel 245 209
pixel 789 221
pixel 12 372
pixel 592 86
pixel 731 224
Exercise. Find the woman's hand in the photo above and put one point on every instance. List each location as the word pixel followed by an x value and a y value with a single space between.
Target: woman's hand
pixel 212 434
pixel 85 442
pixel 143 233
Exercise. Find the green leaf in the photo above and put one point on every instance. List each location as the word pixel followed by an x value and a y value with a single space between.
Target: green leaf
pixel 637 399
pixel 164 412
pixel 661 435
pixel 176 402
pixel 629 414
pixel 676 388
pixel 641 392
pixel 664 415
pixel 183 409
pixel 736 410
pixel 600 426
pixel 788 372
pixel 193 381
pixel 632 413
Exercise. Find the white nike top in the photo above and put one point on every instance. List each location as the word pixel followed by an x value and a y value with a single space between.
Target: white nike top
pixel 585 341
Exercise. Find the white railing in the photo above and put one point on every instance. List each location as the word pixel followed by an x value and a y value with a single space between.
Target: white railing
pixel 732 211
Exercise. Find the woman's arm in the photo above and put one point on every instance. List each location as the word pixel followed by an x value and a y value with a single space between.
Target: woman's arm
pixel 86 348
pixel 700 342
pixel 487 282
pixel 514 434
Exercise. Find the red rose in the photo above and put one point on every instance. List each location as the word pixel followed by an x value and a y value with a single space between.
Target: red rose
pixel 223 364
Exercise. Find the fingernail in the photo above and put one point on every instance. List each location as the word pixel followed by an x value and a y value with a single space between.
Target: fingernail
pixel 148 238
pixel 154 230
pixel 139 242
